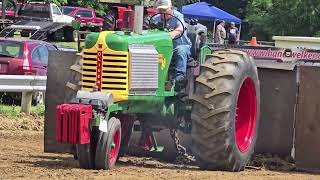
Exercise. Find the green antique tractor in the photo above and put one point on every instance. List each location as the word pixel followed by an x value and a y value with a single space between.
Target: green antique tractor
pixel 127 77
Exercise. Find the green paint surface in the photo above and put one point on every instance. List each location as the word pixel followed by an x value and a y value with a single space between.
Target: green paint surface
pixel 120 41
pixel 205 50
pixel 91 40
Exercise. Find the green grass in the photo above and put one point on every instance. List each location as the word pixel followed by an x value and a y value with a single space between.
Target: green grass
pixel 70 44
pixel 14 111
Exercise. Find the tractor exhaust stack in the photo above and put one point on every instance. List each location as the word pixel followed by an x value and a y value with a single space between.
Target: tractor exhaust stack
pixel 138 19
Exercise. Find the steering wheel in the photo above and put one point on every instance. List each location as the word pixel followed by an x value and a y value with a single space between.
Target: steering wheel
pixel 165 25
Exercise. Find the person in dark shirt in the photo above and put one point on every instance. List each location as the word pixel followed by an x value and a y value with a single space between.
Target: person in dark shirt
pixel 233 34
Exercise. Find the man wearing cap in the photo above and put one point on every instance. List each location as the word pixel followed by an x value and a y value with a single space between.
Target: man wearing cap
pixel 181 45
pixel 233 34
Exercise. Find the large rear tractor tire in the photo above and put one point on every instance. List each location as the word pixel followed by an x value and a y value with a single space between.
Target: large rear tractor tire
pixel 225 115
pixel 108 145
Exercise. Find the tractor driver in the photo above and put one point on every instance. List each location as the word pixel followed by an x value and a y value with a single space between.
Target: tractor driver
pixel 181 45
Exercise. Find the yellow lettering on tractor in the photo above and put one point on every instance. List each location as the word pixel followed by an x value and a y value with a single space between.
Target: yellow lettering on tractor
pixel 162 61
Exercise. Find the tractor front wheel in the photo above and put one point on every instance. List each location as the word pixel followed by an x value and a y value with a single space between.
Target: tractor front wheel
pixel 108 145
pixel 85 153
pixel 225 115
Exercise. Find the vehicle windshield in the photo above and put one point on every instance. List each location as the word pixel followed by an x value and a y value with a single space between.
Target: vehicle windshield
pixel 67 10
pixel 35 10
pixel 84 13
pixel 10 49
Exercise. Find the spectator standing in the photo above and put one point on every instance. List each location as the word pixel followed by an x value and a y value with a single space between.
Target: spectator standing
pixel 220 34
pixel 233 34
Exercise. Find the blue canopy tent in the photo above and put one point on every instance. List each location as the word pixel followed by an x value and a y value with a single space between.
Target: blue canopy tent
pixel 205 11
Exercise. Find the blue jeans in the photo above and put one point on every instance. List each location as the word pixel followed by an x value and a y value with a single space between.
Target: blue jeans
pixel 181 54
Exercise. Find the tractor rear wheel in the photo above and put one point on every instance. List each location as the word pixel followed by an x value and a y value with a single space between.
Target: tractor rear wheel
pixel 108 145
pixel 225 115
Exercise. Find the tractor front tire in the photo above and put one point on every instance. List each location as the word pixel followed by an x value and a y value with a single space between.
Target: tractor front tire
pixel 85 153
pixel 85 156
pixel 108 145
pixel 225 114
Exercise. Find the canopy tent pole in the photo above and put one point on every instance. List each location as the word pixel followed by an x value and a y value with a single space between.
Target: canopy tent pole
pixel 239 32
pixel 239 29
pixel 214 30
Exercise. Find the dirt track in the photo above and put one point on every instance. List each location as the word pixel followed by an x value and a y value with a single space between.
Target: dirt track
pixel 22 157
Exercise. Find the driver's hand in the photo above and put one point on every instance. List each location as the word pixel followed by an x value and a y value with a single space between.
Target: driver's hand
pixel 175 33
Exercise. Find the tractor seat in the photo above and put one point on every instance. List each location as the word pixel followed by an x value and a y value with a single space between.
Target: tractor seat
pixel 197 34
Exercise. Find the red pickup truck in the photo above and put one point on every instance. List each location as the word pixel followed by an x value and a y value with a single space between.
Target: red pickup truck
pixel 86 16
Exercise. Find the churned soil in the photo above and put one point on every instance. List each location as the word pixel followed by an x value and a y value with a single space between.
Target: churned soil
pixel 22 157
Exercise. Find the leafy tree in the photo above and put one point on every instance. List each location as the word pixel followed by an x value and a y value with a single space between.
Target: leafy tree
pixel 60 2
pixel 283 17
pixel 235 7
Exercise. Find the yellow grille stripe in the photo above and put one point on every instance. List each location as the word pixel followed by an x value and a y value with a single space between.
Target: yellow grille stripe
pixel 90 67
pixel 114 69
pixel 88 84
pixel 88 73
pixel 89 62
pixel 89 78
pixel 114 80
pixel 105 58
pixel 113 75
pixel 115 63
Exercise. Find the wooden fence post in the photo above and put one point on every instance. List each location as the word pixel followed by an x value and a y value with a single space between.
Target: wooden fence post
pixel 26 102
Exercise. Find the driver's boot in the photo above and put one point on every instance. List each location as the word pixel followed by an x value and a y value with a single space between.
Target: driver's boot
pixel 180 86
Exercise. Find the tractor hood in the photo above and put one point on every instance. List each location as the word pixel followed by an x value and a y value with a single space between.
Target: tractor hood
pixel 120 41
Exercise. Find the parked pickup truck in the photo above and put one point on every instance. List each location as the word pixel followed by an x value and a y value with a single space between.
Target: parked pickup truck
pixel 86 16
pixel 41 21
pixel 43 11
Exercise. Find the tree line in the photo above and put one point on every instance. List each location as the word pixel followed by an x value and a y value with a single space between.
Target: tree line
pixel 266 18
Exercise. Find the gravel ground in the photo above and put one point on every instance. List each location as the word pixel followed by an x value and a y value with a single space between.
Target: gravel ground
pixel 22 157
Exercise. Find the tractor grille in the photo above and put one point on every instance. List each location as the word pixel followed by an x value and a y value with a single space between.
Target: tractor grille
pixel 106 69
pixel 144 63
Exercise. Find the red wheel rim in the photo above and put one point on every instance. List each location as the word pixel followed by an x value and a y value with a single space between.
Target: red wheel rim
pixel 115 146
pixel 246 114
